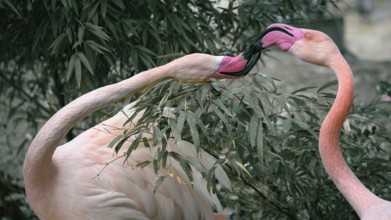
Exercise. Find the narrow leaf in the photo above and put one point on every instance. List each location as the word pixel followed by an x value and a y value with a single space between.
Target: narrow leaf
pixel 159 181
pixel 78 71
pixel 191 120
pixel 85 61
pixel 327 85
pixel 71 66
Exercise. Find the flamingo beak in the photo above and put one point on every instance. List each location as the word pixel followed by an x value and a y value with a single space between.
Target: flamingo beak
pixel 238 66
pixel 282 35
pixel 241 65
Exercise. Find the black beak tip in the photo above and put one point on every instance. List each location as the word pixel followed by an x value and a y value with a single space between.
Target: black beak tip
pixel 251 61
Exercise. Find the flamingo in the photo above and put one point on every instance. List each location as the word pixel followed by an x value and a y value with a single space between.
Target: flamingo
pixel 317 48
pixel 85 179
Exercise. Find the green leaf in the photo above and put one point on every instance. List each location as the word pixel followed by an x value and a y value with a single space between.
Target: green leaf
pixel 54 47
pixel 159 181
pixel 327 85
pixel 97 31
pixel 253 127
pixel 80 33
pixel 95 46
pixel 181 121
pixel 11 6
pixel 85 61
pixel 71 66
pixel 69 35
pixel 223 119
pixel 113 28
pixel 157 135
pixel 286 125
pixel 134 58
pixel 143 164
pixel 242 168
pixel 103 8
pixel 134 145
pixel 174 130
pixel 145 50
pixel 191 120
pixel 92 11
pixel 78 71
pixel 184 163
pixel 260 142
pixel 303 89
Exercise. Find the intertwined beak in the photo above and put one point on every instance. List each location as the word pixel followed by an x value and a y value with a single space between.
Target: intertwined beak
pixel 253 53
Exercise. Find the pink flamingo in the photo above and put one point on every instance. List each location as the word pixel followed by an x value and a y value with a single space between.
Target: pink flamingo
pixel 84 179
pixel 317 48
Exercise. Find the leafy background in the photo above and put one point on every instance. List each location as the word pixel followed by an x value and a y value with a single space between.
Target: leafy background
pixel 54 51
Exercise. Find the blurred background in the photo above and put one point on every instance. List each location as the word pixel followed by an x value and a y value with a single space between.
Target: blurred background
pixel 285 179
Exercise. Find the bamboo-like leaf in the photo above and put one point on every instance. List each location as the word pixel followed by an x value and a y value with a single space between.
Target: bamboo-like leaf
pixel 143 164
pixel 78 71
pixel 211 177
pixel 181 121
pixel 158 182
pixel 115 141
pixel 242 167
pixel 175 155
pixel 80 33
pixel 327 85
pixel 146 142
pixel 71 66
pixel 156 162
pixel 187 168
pixel 97 31
pixel 145 50
pixel 12 7
pixel 134 59
pixel 174 130
pixel 157 136
pixel 134 145
pixel 92 10
pixel 147 60
pixel 184 163
pixel 287 125
pixel 223 119
pixel 56 43
pixel 85 61
pixel 253 127
pixel 196 164
pixel 303 89
pixel 222 106
pixel 191 120
pixel 69 35
pixel 113 28
pixel 260 143
pixel 103 8
pixel 164 158
pixel 120 143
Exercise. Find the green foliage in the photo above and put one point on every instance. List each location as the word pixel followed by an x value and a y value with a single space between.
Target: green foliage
pixel 13 204
pixel 267 142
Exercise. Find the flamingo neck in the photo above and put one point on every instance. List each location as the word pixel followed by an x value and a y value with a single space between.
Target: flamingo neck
pixel 38 165
pixel 346 181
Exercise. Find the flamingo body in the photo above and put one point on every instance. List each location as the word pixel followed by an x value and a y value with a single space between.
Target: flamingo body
pixel 317 48
pixel 85 179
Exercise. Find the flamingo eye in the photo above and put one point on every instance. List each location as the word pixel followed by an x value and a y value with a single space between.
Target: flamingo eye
pixel 306 36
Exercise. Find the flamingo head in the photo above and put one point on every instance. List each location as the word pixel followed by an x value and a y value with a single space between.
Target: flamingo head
pixel 309 45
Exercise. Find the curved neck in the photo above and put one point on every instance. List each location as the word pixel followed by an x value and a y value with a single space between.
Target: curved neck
pixel 38 161
pixel 346 181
